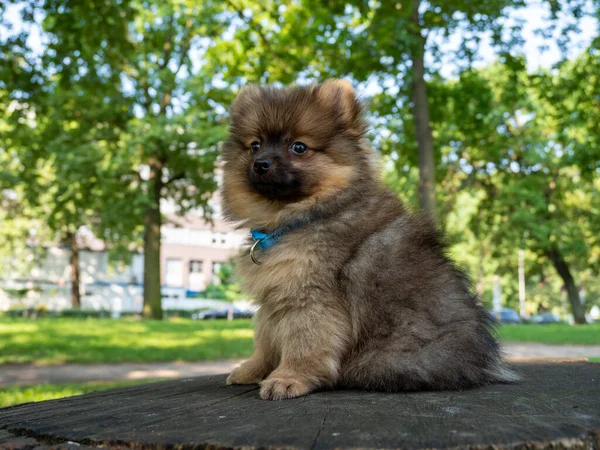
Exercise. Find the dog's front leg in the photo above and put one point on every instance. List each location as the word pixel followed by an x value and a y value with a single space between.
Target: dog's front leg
pixel 312 342
pixel 262 361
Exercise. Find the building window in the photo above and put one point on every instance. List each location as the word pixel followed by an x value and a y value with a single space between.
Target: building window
pixel 173 272
pixel 196 266
pixel 196 278
pixel 219 238
pixel 216 268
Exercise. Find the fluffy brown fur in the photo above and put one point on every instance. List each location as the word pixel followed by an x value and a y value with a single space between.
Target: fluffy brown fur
pixel 360 295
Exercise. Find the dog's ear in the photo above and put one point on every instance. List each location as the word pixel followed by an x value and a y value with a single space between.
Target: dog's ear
pixel 244 101
pixel 339 95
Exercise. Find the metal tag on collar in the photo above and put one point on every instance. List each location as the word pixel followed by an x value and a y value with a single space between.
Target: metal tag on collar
pixel 252 249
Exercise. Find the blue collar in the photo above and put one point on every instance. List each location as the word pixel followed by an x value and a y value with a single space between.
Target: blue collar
pixel 265 241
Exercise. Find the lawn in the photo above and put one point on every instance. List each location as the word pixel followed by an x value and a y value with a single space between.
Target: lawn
pixel 55 341
pixel 15 395
pixel 552 334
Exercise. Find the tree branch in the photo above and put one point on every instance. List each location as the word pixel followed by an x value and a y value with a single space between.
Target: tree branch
pixel 147 96
pixel 177 176
pixel 185 48
pixel 137 175
pixel 168 45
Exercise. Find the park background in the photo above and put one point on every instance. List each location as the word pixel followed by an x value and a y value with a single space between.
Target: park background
pixel 112 113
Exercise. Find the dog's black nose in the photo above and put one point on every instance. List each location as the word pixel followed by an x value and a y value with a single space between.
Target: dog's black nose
pixel 261 166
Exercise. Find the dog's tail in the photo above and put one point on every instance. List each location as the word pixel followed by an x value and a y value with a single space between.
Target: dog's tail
pixel 499 373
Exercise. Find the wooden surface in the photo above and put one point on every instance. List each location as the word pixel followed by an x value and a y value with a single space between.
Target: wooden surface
pixel 556 405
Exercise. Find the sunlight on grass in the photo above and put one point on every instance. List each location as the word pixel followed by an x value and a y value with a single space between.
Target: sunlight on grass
pixel 559 334
pixel 18 328
pixel 17 395
pixel 55 341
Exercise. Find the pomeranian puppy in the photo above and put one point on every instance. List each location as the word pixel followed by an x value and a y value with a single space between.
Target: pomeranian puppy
pixel 354 292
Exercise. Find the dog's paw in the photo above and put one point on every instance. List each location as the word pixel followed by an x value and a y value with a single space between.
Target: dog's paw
pixel 282 388
pixel 243 375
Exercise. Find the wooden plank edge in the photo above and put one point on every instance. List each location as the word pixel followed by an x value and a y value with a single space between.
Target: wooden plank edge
pixel 24 439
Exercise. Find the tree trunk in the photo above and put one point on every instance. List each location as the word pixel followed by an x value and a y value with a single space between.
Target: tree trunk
pixel 562 268
pixel 420 110
pixel 74 269
pixel 152 223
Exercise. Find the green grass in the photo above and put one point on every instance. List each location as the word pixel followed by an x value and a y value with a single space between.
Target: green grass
pixel 55 341
pixel 15 395
pixel 552 334
pixel 69 340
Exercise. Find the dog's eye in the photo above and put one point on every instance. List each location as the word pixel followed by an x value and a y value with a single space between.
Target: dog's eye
pixel 255 146
pixel 299 148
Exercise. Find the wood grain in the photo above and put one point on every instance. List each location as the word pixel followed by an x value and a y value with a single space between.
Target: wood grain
pixel 557 405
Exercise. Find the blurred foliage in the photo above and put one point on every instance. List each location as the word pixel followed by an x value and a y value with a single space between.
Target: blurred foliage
pixel 125 104
pixel 226 286
pixel 103 128
pixel 518 156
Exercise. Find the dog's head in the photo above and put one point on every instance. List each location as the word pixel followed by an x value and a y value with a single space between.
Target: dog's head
pixel 290 148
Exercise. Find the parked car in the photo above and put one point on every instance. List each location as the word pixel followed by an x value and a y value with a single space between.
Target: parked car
pixel 239 313
pixel 507 316
pixel 546 317
pixel 211 314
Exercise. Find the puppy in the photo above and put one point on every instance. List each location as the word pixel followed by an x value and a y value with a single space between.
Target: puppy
pixel 353 291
